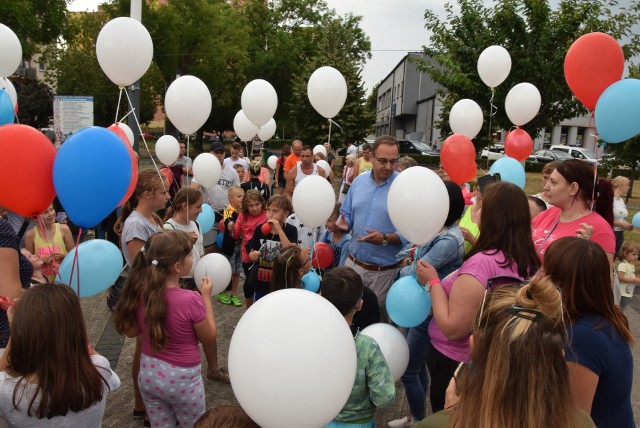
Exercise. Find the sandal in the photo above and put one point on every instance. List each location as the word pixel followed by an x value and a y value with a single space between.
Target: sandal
pixel 218 375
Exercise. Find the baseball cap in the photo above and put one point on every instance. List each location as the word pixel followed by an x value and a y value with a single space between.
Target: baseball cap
pixel 216 145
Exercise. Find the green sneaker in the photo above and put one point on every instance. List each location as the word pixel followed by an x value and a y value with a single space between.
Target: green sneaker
pixel 235 301
pixel 224 299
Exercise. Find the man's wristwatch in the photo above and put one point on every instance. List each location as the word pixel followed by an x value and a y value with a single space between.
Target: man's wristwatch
pixel 385 240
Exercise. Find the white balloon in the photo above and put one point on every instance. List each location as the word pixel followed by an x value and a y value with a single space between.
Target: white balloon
pixel 259 101
pixel 313 200
pixel 188 103
pixel 167 149
pixel 245 130
pixel 416 191
pixel 217 268
pixel 267 130
pixel 127 131
pixel 466 118
pixel 206 170
pixel 327 91
pixel 10 51
pixel 522 103
pixel 324 165
pixel 320 149
pixel 292 360
pixel 393 345
pixel 11 90
pixel 124 49
pixel 272 162
pixel 494 65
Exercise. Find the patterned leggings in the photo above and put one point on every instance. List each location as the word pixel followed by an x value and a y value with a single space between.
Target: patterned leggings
pixel 171 394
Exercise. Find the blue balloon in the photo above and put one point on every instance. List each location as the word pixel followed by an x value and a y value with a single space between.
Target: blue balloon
pixel 408 303
pixel 311 281
pixel 6 108
pixel 636 220
pixel 91 175
pixel 206 218
pixel 510 170
pixel 99 262
pixel 617 112
pixel 219 239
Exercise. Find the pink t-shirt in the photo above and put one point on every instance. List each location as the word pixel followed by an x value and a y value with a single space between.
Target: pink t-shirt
pixel 184 309
pixel 245 226
pixel 544 232
pixel 482 267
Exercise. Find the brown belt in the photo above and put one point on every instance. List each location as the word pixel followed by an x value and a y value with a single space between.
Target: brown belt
pixel 370 267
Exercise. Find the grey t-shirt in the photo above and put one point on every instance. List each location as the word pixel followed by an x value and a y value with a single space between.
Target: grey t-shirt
pixel 136 227
pixel 89 417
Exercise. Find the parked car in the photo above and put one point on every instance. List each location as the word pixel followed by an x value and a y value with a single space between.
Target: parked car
pixel 583 154
pixel 546 156
pixel 411 147
pixel 493 152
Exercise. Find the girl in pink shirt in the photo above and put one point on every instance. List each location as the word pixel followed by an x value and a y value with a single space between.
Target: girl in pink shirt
pixel 172 321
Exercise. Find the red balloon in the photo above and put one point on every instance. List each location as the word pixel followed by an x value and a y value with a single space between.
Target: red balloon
pixel 322 255
pixel 221 226
pixel 518 144
pixel 134 161
pixel 266 228
pixel 592 64
pixel 458 157
pixel 26 186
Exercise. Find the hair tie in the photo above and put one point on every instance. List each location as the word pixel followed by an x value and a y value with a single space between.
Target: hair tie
pixel 154 262
pixel 142 250
pixel 524 313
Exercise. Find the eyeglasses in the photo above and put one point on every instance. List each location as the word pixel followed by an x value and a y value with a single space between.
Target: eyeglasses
pixel 385 162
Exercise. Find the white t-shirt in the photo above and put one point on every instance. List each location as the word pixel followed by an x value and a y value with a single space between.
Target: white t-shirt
pixel 228 162
pixel 198 249
pixel 352 150
pixel 89 417
pixel 629 270
pixel 620 212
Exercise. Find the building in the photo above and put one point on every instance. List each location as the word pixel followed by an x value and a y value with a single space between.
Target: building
pixel 408 108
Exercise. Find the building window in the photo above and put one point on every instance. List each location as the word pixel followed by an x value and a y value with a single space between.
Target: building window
pixel 41 66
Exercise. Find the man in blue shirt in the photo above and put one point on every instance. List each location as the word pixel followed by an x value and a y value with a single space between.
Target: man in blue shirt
pixel 364 212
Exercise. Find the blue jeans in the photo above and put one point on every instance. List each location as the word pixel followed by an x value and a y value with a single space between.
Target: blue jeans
pixel 416 379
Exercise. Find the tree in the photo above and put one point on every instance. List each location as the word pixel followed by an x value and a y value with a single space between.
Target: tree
pixel 537 38
pixel 35 102
pixel 74 70
pixel 35 22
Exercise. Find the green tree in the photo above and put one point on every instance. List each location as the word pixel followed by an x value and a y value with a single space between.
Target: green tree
pixel 74 70
pixel 36 22
pixel 537 39
pixel 35 102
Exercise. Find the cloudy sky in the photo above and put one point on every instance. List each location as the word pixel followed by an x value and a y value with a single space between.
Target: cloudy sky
pixel 395 27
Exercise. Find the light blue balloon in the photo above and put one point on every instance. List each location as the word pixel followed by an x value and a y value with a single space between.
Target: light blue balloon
pixel 618 111
pixel 510 170
pixel 311 281
pixel 99 262
pixel 206 218
pixel 636 220
pixel 408 303
pixel 6 108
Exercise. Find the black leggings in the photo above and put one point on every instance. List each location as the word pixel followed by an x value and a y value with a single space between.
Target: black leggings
pixel 441 370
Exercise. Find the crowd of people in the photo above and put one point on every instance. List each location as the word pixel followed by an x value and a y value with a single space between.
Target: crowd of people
pixel 526 328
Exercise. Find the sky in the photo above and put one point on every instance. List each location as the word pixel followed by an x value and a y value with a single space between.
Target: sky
pixel 394 27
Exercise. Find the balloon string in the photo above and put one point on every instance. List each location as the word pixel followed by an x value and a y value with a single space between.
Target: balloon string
pixel 185 180
pixel 73 264
pixel 118 105
pixel 492 111
pixel 313 242
pixel 125 116
pixel 329 141
pixel 144 140
pixel 595 164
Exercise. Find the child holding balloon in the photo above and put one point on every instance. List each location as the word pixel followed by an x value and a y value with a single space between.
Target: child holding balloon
pixel 374 386
pixel 338 241
pixel 171 322
pixel 253 214
pixel 231 247
pixel 188 205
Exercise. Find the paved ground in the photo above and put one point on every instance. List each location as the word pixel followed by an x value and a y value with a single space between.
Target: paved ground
pixel 120 350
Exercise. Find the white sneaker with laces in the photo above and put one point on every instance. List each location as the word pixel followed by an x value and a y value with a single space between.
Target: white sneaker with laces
pixel 399 423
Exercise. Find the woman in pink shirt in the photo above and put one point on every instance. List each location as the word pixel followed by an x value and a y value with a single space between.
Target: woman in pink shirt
pixel 503 249
pixel 570 190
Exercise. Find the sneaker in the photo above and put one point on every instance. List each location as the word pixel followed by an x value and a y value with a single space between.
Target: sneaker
pixel 218 375
pixel 224 299
pixel 399 423
pixel 235 301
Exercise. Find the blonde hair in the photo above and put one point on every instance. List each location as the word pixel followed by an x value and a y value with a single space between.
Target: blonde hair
pixel 620 181
pixel 628 247
pixel 517 375
pixel 234 189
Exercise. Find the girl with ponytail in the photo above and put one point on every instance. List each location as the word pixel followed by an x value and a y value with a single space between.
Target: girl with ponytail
pixel 171 321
